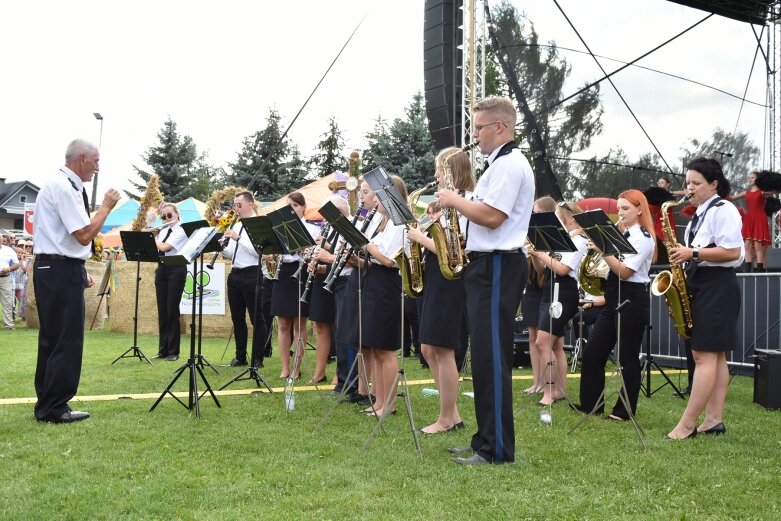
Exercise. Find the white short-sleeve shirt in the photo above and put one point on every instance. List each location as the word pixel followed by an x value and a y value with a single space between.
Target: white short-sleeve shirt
pixel 59 211
pixel 640 262
pixel 720 226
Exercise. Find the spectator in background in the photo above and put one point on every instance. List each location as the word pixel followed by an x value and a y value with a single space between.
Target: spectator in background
pixel 9 263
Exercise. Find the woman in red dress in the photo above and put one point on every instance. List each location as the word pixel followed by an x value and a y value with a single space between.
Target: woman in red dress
pixel 756 232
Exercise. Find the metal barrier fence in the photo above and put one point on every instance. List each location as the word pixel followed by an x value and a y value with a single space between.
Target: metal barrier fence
pixel 758 323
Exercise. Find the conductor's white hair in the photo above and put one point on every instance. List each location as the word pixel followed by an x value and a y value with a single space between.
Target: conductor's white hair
pixel 78 147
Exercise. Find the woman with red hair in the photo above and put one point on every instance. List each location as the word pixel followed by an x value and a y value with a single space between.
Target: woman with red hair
pixel 632 270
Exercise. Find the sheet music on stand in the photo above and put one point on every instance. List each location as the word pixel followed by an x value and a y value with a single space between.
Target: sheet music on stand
pixel 546 233
pixel 603 233
pixel 343 226
pixel 195 245
pixel 395 205
pixel 290 230
pixel 261 234
pixel 213 244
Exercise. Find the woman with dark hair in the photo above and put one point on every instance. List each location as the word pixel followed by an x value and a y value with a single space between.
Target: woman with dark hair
pixel 285 299
pixel 632 269
pixel 563 270
pixel 756 232
pixel 169 283
pixel 443 303
pixel 714 248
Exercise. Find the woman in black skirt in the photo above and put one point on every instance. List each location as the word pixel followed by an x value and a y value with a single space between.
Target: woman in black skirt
pixel 322 303
pixel 550 329
pixel 285 298
pixel 443 303
pixel 381 317
pixel 530 305
pixel 636 223
pixel 714 248
pixel 169 283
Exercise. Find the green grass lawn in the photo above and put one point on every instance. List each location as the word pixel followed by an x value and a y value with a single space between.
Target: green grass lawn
pixel 252 459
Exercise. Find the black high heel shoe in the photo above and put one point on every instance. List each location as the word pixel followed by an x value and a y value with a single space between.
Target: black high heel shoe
pixel 717 429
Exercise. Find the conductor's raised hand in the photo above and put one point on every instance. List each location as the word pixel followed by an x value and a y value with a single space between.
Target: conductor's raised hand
pixel 110 198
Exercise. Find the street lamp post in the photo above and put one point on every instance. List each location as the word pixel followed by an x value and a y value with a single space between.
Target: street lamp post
pixel 100 144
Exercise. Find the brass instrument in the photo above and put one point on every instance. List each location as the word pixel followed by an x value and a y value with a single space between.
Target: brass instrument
pixel 592 272
pixel 411 266
pixel 272 267
pixel 450 253
pixel 672 283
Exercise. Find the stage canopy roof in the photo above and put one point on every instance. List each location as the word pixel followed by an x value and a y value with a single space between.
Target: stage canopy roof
pixel 751 11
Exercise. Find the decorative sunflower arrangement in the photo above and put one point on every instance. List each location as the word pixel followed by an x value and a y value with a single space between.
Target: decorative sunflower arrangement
pixel 98 242
pixel 216 214
pixel 150 204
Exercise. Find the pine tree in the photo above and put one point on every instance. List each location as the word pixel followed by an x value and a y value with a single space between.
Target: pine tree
pixel 328 156
pixel 173 160
pixel 405 147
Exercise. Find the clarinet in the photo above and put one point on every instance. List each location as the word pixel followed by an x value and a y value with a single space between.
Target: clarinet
pixel 305 259
pixel 311 277
pixel 346 254
pixel 341 249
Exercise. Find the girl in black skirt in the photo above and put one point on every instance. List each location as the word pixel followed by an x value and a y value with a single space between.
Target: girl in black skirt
pixel 443 304
pixel 550 330
pixel 530 305
pixel 285 298
pixel 635 222
pixel 380 320
pixel 322 303
pixel 714 248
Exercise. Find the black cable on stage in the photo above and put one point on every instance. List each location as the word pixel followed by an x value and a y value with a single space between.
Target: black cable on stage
pixel 616 88
pixel 748 81
pixel 610 163
pixel 607 76
pixel 677 77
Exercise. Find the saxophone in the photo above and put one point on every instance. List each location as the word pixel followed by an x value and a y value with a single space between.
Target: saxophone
pixel 450 254
pixel 672 283
pixel 411 267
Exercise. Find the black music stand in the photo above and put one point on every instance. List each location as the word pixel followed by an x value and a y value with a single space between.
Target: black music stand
pixel 357 240
pixel 212 246
pixel 292 237
pixel 610 241
pixel 139 247
pixel 548 234
pixel 193 248
pixel 399 212
pixel 261 234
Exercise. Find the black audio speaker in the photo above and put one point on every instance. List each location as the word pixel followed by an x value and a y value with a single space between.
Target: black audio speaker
pixel 767 378
pixel 442 60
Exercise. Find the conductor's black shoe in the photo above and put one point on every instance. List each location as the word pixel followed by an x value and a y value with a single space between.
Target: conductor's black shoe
pixel 460 450
pixel 68 417
pixel 172 358
pixel 236 362
pixel 475 459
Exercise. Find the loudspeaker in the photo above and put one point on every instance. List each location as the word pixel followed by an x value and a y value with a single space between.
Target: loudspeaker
pixel 442 60
pixel 767 378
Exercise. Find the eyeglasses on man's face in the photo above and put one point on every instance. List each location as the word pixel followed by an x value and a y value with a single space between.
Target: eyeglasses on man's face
pixel 478 128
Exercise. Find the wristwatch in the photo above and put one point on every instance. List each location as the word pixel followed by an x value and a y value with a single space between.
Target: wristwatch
pixel 696 255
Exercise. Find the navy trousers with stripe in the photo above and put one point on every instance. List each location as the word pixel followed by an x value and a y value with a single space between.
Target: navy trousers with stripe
pixel 494 286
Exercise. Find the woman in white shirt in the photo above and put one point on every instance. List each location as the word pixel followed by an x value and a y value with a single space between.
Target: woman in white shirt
pixel 169 283
pixel 632 269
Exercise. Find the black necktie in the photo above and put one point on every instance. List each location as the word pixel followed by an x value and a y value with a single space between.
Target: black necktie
pixel 86 208
pixel 626 234
pixel 486 165
pixel 692 229
pixel 168 234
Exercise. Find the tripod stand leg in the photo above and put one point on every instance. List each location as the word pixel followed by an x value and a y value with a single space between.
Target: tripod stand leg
pixel 352 375
pixel 208 387
pixel 401 375
pixel 250 373
pixel 179 373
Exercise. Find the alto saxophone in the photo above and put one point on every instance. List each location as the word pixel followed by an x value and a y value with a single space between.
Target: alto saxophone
pixel 411 266
pixel 672 283
pixel 450 254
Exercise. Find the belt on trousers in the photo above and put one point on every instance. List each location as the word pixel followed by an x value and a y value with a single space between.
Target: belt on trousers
pixel 53 256
pixel 472 255
pixel 245 268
